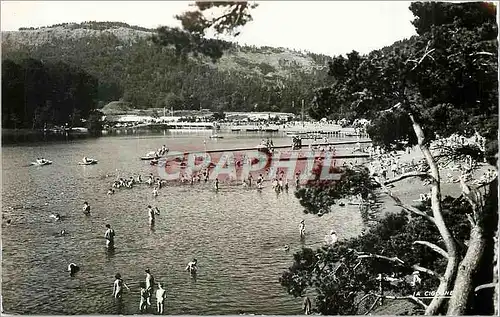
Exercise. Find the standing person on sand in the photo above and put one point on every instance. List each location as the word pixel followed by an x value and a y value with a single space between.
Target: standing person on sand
pixel 306 306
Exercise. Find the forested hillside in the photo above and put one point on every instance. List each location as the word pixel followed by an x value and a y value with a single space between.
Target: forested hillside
pixel 129 66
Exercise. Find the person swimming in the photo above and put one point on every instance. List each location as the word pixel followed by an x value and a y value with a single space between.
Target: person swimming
pixel 86 208
pixel 73 269
pixel 63 232
pixel 85 160
pixel 191 266
pixel 118 286
pixel 41 160
pixel 57 217
pixel 286 248
pixel 161 295
pixel 110 236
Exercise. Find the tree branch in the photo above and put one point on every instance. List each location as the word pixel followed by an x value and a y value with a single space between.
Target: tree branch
pixel 426 270
pixel 408 175
pixel 377 256
pixel 391 109
pixel 471 219
pixel 232 12
pixel 363 298
pixel 372 307
pixel 433 247
pixel 400 262
pixel 449 241
pixel 482 53
pixel 427 52
pixel 356 266
pixel 485 286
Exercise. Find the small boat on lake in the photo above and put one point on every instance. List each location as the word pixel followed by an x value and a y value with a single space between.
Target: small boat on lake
pixel 88 162
pixel 41 162
pixel 216 136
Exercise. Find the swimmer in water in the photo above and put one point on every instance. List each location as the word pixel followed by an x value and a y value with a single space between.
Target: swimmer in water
pixel 73 269
pixel 302 229
pixel 143 304
pixel 110 237
pixel 151 214
pixel 287 248
pixel 161 295
pixel 149 286
pixel 57 217
pixel 63 232
pixel 86 208
pixel 118 286
pixel 191 266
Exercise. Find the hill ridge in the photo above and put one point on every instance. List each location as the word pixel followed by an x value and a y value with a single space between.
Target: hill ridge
pixel 249 77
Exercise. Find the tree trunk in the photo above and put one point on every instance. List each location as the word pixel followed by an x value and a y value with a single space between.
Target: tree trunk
pixel 496 293
pixel 451 267
pixel 464 283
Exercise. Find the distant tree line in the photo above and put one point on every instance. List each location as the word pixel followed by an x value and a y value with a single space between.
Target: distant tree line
pixel 92 25
pixel 37 94
pixel 153 76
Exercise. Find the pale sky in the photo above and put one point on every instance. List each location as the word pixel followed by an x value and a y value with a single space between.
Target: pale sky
pixel 327 27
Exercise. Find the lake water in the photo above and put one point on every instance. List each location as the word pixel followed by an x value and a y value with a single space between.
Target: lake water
pixel 237 234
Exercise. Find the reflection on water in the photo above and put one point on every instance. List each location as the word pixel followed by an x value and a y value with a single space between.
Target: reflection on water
pixel 237 234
